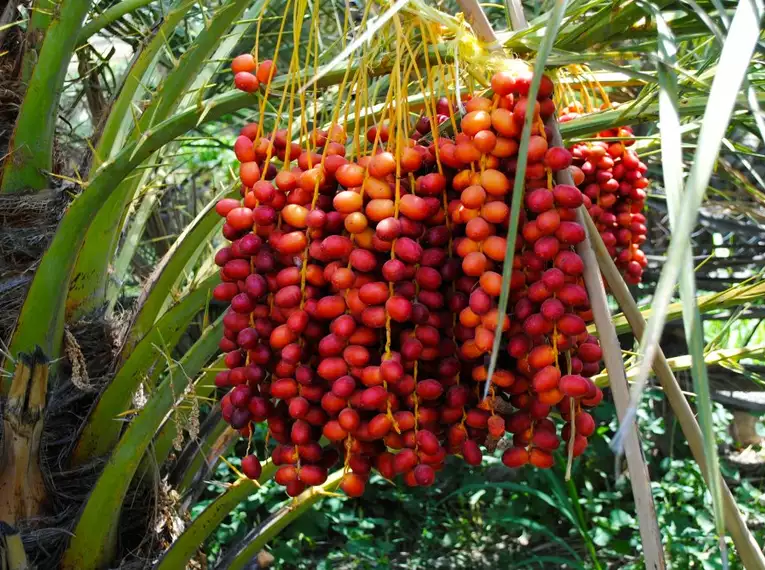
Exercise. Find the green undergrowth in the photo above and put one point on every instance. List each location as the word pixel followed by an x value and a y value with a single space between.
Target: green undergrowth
pixel 490 517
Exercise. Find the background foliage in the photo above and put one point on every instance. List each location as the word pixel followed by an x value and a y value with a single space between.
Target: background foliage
pixel 489 517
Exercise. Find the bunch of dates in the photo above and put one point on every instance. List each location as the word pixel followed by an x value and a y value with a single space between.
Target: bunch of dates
pixel 612 176
pixel 363 294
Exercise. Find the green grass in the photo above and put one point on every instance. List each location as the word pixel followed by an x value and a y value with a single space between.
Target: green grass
pixel 489 517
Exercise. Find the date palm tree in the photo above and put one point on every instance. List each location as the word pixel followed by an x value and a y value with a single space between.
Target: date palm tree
pixel 115 128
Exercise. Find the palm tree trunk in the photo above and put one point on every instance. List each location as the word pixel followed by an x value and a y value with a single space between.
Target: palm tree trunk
pixel 22 488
